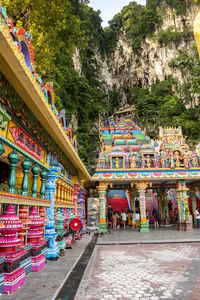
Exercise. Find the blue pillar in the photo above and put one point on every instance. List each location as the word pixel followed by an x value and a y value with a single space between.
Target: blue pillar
pixel 50 234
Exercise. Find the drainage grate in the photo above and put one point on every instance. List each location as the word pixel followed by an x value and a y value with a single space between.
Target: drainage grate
pixel 70 287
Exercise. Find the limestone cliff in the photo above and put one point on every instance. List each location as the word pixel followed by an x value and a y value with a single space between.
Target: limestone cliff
pixel 124 69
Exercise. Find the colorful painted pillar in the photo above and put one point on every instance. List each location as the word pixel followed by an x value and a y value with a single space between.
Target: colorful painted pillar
pixel 133 193
pixel 163 207
pixel 193 191
pixel 102 206
pixel 50 234
pixel 141 186
pixel 184 216
pixel 82 203
pixel 75 197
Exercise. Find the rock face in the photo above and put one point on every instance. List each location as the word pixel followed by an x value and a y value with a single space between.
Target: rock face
pixel 125 69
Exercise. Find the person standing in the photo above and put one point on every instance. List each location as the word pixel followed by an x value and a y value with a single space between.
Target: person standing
pixel 197 214
pixel 115 215
pixel 124 218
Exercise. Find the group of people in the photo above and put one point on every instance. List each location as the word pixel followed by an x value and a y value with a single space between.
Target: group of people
pixel 123 219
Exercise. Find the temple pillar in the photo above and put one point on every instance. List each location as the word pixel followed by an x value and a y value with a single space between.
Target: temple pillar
pixel 43 176
pixel 75 197
pixel 82 203
pixel 141 186
pixel 193 191
pixel 102 206
pixel 35 171
pixel 13 158
pixel 184 214
pixel 26 165
pixel 50 234
pixel 133 193
pixel 164 216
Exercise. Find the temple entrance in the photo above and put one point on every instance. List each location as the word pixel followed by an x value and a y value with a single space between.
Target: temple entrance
pixel 162 204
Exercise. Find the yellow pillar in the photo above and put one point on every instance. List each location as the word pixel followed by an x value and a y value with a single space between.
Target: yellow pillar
pixel 141 186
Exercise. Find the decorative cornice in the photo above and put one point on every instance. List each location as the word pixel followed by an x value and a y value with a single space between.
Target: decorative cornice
pixel 9 198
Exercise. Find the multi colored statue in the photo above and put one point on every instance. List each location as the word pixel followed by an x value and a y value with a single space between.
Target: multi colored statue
pixel 172 161
pixel 133 161
pixel 177 159
pixel 185 160
pixel 148 160
pixel 116 163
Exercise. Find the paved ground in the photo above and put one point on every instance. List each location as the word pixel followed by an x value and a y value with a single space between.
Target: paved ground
pixel 131 272
pixel 44 284
pixel 163 234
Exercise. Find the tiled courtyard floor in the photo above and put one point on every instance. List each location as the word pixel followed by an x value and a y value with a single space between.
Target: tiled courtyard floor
pixel 162 234
pixel 131 272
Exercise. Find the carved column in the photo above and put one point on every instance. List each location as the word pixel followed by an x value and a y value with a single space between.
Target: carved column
pixel 43 176
pixel 26 165
pixel 65 189
pixel 50 234
pixel 193 191
pixel 163 207
pixel 82 203
pixel 58 187
pixel 13 158
pixel 141 186
pixel 102 206
pixel 35 172
pixel 184 213
pixel 133 193
pixel 75 197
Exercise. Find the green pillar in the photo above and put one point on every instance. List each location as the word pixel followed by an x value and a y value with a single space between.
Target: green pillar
pixel 141 186
pixel 102 207
pixel 43 176
pixel 26 165
pixel 35 171
pixel 2 149
pixel 13 158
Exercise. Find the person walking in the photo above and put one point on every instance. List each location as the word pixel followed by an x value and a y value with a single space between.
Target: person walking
pixel 197 214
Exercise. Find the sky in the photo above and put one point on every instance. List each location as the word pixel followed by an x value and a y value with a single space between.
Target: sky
pixel 109 8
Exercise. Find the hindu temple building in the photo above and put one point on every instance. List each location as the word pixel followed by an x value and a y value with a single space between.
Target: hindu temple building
pixel 132 168
pixel 41 171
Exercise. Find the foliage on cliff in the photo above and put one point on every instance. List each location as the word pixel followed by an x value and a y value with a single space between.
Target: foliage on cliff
pixel 57 27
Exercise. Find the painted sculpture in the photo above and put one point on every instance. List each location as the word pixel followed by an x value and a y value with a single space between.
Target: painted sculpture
pixel 60 232
pixel 14 276
pixel 35 238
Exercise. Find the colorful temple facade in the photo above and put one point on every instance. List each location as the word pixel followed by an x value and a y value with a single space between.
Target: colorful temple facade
pixel 131 165
pixel 41 171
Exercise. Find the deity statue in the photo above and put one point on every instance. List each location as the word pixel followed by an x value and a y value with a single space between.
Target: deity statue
pixel 116 163
pixel 155 162
pixel 148 160
pixel 133 161
pixel 162 161
pixel 177 159
pixel 143 162
pixel 172 161
pixel 185 160
pixel 194 162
